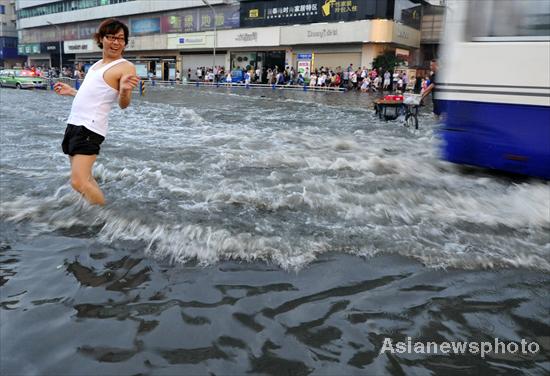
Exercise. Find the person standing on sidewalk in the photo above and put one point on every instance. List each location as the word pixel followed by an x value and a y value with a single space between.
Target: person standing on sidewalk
pixel 432 87
pixel 109 80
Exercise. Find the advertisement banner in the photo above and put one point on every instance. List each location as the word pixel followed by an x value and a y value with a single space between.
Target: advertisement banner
pixel 291 12
pixel 201 19
pixel 70 32
pixel 304 66
pixel 145 26
pixel 141 69
pixel 180 22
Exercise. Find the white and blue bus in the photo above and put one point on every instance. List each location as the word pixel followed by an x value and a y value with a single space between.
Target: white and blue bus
pixel 495 85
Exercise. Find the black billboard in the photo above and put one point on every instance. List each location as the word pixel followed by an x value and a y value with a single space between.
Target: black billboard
pixel 290 12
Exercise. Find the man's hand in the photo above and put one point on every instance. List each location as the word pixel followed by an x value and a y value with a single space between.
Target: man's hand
pixel 128 82
pixel 62 88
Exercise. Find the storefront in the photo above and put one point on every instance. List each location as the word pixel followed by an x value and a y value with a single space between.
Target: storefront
pixel 254 48
pixel 31 50
pixel 326 45
pixel 150 54
pixel 195 50
pixel 337 45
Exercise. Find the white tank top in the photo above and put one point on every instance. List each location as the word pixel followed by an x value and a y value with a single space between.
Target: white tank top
pixel 94 100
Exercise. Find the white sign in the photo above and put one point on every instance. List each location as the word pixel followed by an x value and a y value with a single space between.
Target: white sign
pixel 254 37
pixel 358 31
pixel 190 40
pixel 405 35
pixel 147 42
pixel 247 37
pixel 80 46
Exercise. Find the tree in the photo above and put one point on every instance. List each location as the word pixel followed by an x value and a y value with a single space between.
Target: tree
pixel 388 61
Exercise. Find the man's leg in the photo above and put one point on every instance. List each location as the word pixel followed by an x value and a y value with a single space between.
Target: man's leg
pixel 82 179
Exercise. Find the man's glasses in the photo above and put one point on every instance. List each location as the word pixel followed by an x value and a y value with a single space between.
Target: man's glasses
pixel 112 38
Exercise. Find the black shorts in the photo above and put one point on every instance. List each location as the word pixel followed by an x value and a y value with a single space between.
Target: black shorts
pixel 80 140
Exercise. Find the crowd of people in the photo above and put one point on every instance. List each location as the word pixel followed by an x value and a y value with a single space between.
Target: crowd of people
pixel 76 72
pixel 361 79
pixel 350 78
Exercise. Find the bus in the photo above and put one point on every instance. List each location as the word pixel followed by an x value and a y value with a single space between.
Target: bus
pixel 494 85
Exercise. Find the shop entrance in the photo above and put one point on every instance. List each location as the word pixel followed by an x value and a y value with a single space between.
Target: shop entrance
pixel 263 60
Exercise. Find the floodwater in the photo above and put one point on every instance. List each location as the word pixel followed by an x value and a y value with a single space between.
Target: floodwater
pixel 261 232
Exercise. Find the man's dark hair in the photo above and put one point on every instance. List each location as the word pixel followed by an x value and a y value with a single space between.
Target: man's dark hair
pixel 110 26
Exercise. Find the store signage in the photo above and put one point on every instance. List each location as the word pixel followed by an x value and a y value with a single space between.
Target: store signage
pixel 29 49
pixel 247 37
pixel 405 35
pixel 303 56
pixel 256 37
pixel 192 40
pixel 321 34
pixel 356 32
pixel 79 46
pixel 189 41
pixel 50 47
pixel 289 12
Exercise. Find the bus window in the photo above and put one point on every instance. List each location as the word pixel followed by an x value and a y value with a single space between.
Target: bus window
pixel 508 19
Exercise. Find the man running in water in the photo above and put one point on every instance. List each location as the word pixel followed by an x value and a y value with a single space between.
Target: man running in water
pixel 109 80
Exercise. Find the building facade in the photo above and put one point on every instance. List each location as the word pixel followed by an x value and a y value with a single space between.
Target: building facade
pixel 8 35
pixel 166 35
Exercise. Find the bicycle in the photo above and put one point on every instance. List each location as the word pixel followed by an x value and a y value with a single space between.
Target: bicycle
pixel 411 104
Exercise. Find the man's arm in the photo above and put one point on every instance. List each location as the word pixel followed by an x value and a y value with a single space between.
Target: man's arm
pixel 64 89
pixel 427 91
pixel 128 81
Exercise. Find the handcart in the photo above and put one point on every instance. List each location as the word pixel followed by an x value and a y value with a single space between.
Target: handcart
pixel 391 107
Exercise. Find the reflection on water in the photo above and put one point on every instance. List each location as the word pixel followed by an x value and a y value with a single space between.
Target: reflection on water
pixel 284 234
pixel 234 318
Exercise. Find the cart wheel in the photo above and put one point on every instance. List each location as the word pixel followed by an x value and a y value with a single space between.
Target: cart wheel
pixel 411 121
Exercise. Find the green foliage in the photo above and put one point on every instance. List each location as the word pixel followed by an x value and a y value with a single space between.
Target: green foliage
pixel 388 61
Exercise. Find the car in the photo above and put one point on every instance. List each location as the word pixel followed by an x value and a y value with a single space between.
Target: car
pixel 21 79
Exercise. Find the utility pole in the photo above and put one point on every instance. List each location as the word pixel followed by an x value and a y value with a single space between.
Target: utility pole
pixel 215 34
pixel 60 51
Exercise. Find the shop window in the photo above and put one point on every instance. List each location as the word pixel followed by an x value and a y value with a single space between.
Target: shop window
pixel 497 19
pixel 408 13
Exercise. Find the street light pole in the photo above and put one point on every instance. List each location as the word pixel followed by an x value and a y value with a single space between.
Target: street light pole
pixel 60 52
pixel 215 35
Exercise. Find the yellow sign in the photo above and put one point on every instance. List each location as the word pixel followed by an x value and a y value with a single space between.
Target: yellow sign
pixel 326 7
pixel 338 6
pixel 253 13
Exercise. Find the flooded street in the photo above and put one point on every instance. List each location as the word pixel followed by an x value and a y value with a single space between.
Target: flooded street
pixel 260 231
